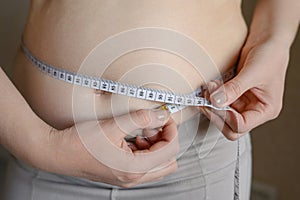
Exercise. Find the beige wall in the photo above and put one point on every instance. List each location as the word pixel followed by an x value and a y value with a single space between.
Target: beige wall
pixel 276 148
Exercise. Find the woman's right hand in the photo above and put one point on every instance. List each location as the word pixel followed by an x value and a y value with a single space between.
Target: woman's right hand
pixel 70 151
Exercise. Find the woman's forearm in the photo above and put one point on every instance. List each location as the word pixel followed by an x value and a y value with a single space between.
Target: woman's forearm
pixel 20 128
pixel 275 19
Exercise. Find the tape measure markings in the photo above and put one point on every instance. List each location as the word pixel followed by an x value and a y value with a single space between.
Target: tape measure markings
pixel 129 90
pixel 174 102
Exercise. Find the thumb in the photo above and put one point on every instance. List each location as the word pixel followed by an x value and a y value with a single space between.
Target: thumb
pixel 140 119
pixel 230 91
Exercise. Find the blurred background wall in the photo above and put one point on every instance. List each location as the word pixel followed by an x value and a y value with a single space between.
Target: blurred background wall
pixel 276 144
pixel 13 15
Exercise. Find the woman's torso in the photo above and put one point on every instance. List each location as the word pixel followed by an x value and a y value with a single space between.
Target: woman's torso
pixel 62 33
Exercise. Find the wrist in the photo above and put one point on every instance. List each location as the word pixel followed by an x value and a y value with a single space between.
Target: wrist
pixel 278 37
pixel 275 21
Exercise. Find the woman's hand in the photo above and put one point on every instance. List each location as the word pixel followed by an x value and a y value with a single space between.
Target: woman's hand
pixel 99 151
pixel 255 93
pixel 93 150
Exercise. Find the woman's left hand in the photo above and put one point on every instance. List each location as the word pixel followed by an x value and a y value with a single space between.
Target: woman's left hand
pixel 256 93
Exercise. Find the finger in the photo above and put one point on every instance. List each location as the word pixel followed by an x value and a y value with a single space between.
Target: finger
pixel 168 133
pixel 166 136
pixel 153 135
pixel 245 119
pixel 141 143
pixel 143 119
pixel 151 132
pixel 231 90
pixel 212 86
pixel 252 119
pixel 119 127
pixel 221 125
pixel 162 150
pixel 240 104
pixel 132 146
pixel 230 117
pixel 237 122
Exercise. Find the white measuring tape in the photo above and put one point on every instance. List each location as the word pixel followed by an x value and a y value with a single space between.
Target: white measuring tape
pixel 173 102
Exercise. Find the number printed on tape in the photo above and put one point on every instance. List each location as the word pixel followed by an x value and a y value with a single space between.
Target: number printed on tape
pixel 174 103
pixel 160 96
pixel 131 91
pixel 122 89
pixel 113 88
pixel 141 93
pixel 104 86
pixel 95 84
pixel 150 95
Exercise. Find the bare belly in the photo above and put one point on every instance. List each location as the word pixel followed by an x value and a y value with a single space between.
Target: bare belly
pixel 63 33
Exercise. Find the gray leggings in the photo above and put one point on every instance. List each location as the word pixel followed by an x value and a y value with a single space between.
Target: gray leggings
pixel 208 175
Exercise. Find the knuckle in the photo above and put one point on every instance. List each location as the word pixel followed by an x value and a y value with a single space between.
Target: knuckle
pixel 243 129
pixel 234 86
pixel 235 135
pixel 272 110
pixel 228 134
pixel 143 117
pixel 231 136
pixel 275 110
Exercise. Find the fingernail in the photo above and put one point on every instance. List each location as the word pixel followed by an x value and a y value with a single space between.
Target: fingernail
pixel 219 98
pixel 161 115
pixel 211 86
pixel 150 132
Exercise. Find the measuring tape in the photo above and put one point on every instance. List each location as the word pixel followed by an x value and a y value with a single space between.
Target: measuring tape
pixel 173 102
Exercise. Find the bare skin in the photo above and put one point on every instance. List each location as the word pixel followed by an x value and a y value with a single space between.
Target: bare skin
pixel 55 34
pixel 79 26
pixel 265 55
